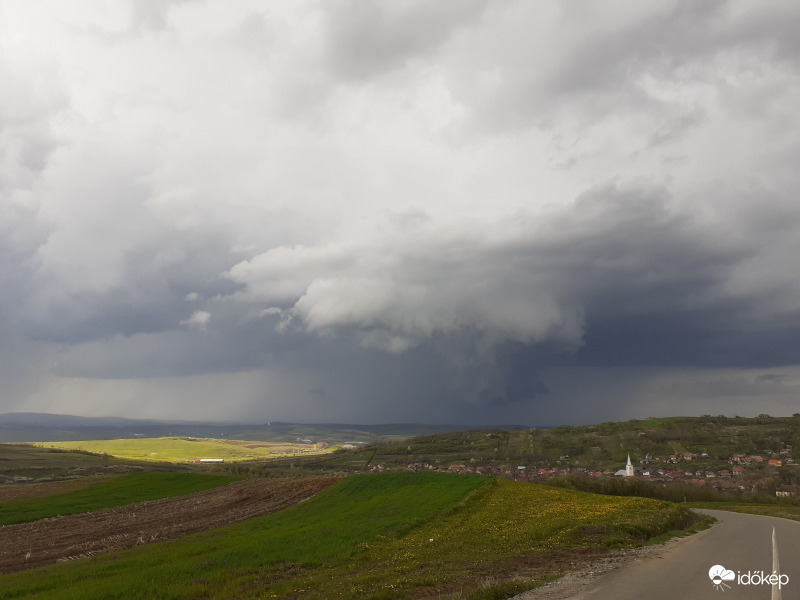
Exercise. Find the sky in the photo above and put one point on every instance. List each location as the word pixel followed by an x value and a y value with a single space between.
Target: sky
pixel 461 211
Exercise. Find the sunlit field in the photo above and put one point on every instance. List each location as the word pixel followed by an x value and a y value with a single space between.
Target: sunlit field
pixel 183 450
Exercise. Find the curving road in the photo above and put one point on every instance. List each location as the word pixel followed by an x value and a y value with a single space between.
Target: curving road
pixel 743 544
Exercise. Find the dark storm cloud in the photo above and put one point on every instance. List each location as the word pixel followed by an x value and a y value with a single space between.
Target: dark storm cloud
pixel 455 211
pixel 229 342
pixel 624 276
pixel 152 294
pixel 20 237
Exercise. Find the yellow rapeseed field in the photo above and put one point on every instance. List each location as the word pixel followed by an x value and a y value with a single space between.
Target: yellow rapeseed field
pixel 498 525
pixel 530 518
pixel 182 449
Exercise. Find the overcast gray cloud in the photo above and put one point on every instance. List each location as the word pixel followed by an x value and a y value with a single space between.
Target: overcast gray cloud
pixel 466 212
pixel 364 41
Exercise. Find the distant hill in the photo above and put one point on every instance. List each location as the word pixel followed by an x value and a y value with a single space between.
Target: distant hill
pixel 712 438
pixel 65 421
pixel 44 427
pixel 601 445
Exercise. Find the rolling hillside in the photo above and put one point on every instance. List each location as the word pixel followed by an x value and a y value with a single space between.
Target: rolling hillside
pixel 602 446
pixel 399 535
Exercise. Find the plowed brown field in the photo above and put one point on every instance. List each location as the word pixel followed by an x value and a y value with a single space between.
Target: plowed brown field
pixel 58 539
pixel 10 493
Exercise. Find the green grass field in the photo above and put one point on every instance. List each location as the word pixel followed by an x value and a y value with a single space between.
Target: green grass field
pixel 783 511
pixel 182 450
pixel 115 490
pixel 32 463
pixel 369 536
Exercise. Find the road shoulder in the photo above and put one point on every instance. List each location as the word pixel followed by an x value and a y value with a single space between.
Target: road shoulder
pixel 589 576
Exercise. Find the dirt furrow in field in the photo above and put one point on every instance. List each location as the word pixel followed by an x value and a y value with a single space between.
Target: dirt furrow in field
pixel 11 492
pixel 29 545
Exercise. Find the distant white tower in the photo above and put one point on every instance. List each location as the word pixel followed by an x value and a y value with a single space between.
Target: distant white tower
pixel 629 468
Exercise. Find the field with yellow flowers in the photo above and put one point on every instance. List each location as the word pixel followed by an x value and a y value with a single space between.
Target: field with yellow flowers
pixel 397 535
pixel 188 449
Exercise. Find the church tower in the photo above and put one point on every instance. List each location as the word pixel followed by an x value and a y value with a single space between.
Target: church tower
pixel 629 468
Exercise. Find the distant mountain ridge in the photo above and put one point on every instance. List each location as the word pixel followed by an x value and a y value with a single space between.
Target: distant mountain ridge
pixel 47 427
pixel 58 420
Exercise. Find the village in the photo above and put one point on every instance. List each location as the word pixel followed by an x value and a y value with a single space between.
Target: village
pixel 737 473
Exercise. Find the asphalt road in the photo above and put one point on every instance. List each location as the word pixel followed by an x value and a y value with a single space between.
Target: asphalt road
pixel 742 544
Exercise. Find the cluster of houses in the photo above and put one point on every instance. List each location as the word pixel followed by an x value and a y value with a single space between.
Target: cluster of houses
pixel 785 458
pixel 721 479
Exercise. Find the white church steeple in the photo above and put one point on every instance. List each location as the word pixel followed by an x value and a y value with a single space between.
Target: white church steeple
pixel 629 468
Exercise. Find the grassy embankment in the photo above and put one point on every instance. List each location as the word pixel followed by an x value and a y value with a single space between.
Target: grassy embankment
pixel 106 492
pixel 399 535
pixel 177 450
pixel 784 511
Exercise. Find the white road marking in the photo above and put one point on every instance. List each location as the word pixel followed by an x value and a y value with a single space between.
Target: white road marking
pixel 776 566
